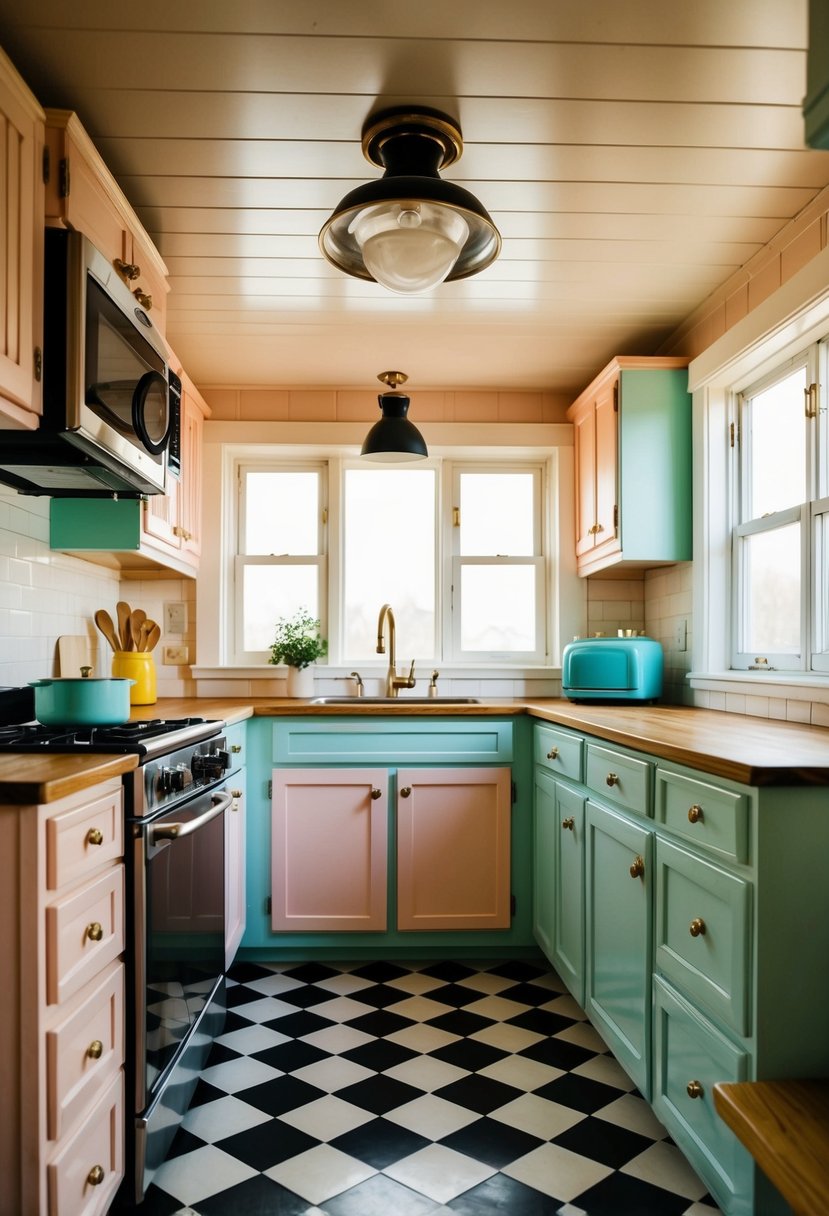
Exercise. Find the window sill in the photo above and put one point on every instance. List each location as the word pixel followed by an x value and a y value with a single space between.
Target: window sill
pixel 788 685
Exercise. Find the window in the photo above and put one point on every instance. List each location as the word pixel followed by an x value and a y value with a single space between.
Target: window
pixel 779 541
pixel 457 549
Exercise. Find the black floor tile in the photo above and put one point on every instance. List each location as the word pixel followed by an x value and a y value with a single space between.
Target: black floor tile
pixel 311 973
pixel 297 1025
pixel 528 994
pixel 156 1203
pixel 380 1143
pixel 503 1196
pixel 379 1054
pixel 234 1022
pixel 241 995
pixel 257 1196
pixel 492 1142
pixel 219 1054
pixel 380 1023
pixel 454 994
pixel 245 973
pixel 183 1142
pixel 280 1095
pixel 379 1094
pixel 621 1195
pixel 557 1053
pixel 380 972
pixel 205 1092
pixel 518 969
pixel 468 1053
pixel 290 1056
pixel 267 1144
pixel 380 995
pixel 380 1196
pixel 542 1021
pixel 478 1093
pixel 305 996
pixel 459 1022
pixel 449 972
pixel 603 1141
pixel 580 1093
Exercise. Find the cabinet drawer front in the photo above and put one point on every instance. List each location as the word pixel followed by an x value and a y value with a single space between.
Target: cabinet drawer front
pixel 619 778
pixel 689 1049
pixel 84 932
pixel 393 741
pixel 558 753
pixel 97 1145
pixel 80 841
pixel 702 933
pixel 710 817
pixel 84 1049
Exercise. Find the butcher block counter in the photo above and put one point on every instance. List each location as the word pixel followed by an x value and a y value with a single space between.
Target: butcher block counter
pixel 756 751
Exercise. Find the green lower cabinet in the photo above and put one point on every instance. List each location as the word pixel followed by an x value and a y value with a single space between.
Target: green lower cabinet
pixel 690 1056
pixel 544 867
pixel 619 937
pixel 568 935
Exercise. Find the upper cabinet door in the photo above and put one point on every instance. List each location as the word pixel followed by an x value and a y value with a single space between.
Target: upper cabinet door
pixel 21 250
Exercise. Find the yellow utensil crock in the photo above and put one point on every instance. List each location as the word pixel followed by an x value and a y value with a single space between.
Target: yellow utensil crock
pixel 137 665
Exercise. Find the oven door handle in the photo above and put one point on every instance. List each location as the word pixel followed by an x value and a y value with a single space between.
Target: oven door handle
pixel 175 831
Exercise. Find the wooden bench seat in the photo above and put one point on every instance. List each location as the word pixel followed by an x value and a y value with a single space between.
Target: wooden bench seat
pixel 785 1127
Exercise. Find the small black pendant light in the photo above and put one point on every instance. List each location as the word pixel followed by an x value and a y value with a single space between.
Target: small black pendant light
pixel 394 439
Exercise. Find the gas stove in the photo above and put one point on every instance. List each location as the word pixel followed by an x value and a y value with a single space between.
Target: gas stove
pixel 145 739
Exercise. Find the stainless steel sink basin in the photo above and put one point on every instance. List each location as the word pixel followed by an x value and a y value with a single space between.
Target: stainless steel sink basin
pixel 353 700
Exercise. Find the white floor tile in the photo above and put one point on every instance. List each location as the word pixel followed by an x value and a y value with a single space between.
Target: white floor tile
pixel 251 1039
pixel 415 983
pixel 552 981
pixel 496 1007
pixel 266 1009
pixel 605 1069
pixel 236 1075
pixel 633 1113
pixel 439 1172
pixel 320 1173
pixel 422 1038
pixel 426 1073
pixel 200 1174
pixel 521 1072
pixel 565 1007
pixel 333 1073
pixel 664 1165
pixel 507 1038
pixel 225 1117
pixel 537 1116
pixel 557 1172
pixel 582 1034
pixel 419 1008
pixel 432 1117
pixel 272 985
pixel 344 984
pixel 337 1039
pixel 486 981
pixel 327 1118
pixel 341 1009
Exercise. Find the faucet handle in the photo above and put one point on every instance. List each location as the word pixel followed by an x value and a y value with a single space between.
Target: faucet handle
pixel 433 684
pixel 355 675
pixel 410 679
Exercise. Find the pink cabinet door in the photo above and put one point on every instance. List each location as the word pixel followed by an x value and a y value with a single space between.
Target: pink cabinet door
pixel 329 846
pixel 453 848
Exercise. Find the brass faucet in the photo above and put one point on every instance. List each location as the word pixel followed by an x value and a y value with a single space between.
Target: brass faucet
pixel 393 680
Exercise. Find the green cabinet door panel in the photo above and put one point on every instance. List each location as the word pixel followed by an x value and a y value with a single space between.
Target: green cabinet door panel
pixel 619 937
pixel 568 918
pixel 392 741
pixel 544 865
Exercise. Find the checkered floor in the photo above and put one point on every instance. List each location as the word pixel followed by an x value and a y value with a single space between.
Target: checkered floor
pixel 445 1089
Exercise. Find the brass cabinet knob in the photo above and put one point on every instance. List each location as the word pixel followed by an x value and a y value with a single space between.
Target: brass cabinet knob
pixel 236 748
pixel 612 779
pixel 95 1049
pixel 143 299
pixel 94 931
pixel 94 836
pixel 406 791
pixel 552 754
pixel 694 1089
pixel 695 814
pixel 375 793
pixel 127 270
pixel 637 870
pixel 697 927
pixel 569 824
pixel 236 793
pixel 96 1175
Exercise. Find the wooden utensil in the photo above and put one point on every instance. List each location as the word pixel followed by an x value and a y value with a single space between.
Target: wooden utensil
pixel 137 618
pixel 104 622
pixel 150 636
pixel 123 610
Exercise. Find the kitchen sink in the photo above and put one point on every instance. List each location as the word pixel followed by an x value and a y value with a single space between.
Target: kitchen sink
pixel 354 700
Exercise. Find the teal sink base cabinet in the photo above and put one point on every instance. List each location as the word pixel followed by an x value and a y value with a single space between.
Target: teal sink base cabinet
pixel 689 916
pixel 374 789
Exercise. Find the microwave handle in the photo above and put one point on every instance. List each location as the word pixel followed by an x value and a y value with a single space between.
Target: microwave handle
pixel 139 401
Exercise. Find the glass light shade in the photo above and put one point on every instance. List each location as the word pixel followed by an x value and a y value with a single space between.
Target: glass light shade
pixel 409 247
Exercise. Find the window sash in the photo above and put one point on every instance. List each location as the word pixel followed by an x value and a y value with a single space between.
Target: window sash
pixel 243 562
pixel 742 657
pixel 537 653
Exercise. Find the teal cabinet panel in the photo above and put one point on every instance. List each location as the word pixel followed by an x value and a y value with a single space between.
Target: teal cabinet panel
pixel 545 827
pixel 569 912
pixel 708 816
pixel 619 778
pixel 558 752
pixel 109 524
pixel 619 937
pixel 392 741
pixel 690 1056
pixel 702 933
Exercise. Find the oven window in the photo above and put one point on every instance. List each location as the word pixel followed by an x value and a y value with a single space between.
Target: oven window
pixel 185 932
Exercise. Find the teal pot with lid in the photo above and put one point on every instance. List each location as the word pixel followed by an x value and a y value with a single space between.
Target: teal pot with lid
pixel 82 702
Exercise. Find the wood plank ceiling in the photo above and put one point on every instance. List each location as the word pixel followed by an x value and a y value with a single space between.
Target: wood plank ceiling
pixel 633 155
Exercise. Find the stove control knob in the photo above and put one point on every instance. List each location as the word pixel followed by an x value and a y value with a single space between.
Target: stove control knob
pixel 174 780
pixel 223 757
pixel 208 768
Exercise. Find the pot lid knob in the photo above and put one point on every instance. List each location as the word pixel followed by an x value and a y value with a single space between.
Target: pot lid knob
pixel 86 672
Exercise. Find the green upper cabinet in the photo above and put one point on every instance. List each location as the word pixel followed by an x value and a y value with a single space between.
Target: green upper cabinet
pixel 816 101
pixel 632 438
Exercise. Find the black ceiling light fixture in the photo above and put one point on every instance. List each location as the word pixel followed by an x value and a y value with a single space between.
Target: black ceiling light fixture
pixel 394 439
pixel 410 230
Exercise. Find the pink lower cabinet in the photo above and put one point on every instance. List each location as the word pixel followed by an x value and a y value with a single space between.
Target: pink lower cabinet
pixel 329 849
pixel 453 848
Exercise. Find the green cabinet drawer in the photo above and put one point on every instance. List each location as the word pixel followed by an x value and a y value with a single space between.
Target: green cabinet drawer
pixel 619 778
pixel 690 1056
pixel 703 925
pixel 392 741
pixel 707 815
pixel 558 752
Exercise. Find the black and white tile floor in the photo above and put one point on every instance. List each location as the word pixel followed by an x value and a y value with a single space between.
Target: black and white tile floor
pixel 444 1089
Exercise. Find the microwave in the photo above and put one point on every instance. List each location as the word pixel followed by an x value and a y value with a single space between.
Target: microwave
pixel 109 397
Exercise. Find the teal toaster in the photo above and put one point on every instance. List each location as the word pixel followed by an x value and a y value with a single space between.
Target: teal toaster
pixel 626 669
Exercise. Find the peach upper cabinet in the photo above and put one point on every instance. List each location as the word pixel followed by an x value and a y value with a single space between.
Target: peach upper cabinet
pixel 632 434
pixel 21 251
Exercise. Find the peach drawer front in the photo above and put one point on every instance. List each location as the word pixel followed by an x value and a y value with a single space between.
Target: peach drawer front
pixel 87 1169
pixel 84 1050
pixel 80 841
pixel 84 932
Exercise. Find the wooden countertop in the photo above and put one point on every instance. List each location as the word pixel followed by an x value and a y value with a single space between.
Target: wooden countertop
pixel 755 751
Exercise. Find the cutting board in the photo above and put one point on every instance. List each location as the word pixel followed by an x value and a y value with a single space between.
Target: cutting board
pixel 74 652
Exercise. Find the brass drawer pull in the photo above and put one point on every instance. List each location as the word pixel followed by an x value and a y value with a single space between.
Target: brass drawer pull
pixel 94 836
pixel 694 1089
pixel 94 931
pixel 697 927
pixel 406 791
pixel 95 1049
pixel 637 870
pixel 375 793
pixel 96 1175
pixel 569 824
pixel 612 779
pixel 127 270
pixel 143 299
pixel 235 748
pixel 695 814
pixel 552 754
pixel 236 793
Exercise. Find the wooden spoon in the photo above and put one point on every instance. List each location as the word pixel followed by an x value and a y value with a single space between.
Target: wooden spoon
pixel 137 618
pixel 123 610
pixel 150 636
pixel 104 622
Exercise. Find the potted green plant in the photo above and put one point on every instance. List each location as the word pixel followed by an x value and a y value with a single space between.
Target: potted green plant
pixel 297 643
